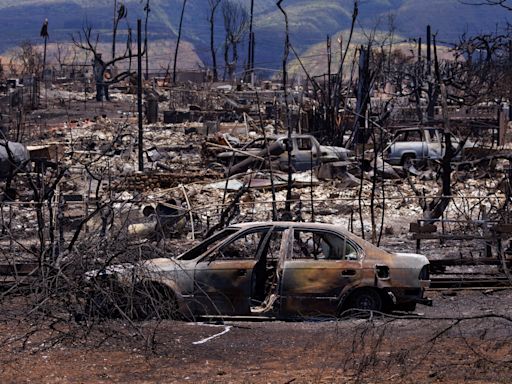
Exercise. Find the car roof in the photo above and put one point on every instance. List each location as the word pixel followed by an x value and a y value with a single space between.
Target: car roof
pixel 295 224
pixel 418 128
pixel 324 226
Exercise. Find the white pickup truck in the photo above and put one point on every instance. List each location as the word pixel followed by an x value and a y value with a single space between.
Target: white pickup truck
pixel 421 143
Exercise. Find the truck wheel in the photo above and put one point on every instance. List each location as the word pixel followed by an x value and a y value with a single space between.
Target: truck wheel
pixel 407 161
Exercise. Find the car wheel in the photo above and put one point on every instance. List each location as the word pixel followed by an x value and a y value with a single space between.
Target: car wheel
pixel 366 299
pixel 407 161
pixel 152 301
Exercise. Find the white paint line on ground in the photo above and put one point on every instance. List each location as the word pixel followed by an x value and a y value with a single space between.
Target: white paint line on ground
pixel 226 330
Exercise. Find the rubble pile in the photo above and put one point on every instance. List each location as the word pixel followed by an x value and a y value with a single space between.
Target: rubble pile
pixel 182 162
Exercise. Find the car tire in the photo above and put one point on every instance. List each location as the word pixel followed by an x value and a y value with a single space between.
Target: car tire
pixel 366 299
pixel 407 161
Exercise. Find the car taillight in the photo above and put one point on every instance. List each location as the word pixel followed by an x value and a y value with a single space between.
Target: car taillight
pixel 425 273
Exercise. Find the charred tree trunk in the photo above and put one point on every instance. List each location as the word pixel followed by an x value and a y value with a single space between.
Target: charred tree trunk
pixel 147 10
pixel 114 30
pixel 250 54
pixel 178 42
pixel 417 83
pixel 438 206
pixel 363 94
pixel 289 143
pixel 214 4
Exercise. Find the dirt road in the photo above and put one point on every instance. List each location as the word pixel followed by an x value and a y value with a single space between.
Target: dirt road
pixel 474 347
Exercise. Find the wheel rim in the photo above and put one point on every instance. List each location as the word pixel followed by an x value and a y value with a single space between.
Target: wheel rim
pixel 367 301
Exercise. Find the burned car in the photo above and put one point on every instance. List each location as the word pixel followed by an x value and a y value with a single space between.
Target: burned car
pixel 421 143
pixel 306 152
pixel 274 269
pixel 13 157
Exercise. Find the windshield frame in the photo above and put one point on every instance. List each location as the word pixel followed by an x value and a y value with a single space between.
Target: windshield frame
pixel 208 244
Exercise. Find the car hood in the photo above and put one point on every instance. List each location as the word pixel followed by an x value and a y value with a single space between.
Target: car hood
pixel 121 270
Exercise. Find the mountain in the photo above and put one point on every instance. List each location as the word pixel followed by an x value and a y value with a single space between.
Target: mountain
pixel 309 20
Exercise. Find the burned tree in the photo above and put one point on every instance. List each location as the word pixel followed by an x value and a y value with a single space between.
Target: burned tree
pixel 178 42
pixel 29 58
pixel 481 69
pixel 104 76
pixel 214 4
pixel 102 73
pixel 506 4
pixel 236 24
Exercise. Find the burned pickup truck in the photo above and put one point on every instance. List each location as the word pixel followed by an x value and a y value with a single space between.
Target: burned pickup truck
pixel 306 153
pixel 272 269
pixel 412 145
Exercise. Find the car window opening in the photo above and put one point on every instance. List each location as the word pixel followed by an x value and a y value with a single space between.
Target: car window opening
pixel 208 244
pixel 265 281
pixel 316 245
pixel 304 144
pixel 244 247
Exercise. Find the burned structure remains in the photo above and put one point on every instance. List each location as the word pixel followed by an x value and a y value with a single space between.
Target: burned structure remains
pixel 135 194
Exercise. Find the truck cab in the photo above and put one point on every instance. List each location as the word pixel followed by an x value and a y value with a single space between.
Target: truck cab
pixel 419 143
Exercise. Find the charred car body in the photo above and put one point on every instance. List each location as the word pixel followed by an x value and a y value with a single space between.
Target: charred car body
pixel 13 157
pixel 306 152
pixel 274 269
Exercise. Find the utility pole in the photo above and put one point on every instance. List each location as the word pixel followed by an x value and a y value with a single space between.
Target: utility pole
pixel 114 30
pixel 363 94
pixel 329 96
pixel 286 120
pixel 431 106
pixel 139 94
pixel 418 82
pixel 44 34
pixel 147 10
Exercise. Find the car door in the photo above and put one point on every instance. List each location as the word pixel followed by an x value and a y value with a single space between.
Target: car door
pixel 435 148
pixel 223 279
pixel 304 153
pixel 418 142
pixel 318 265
